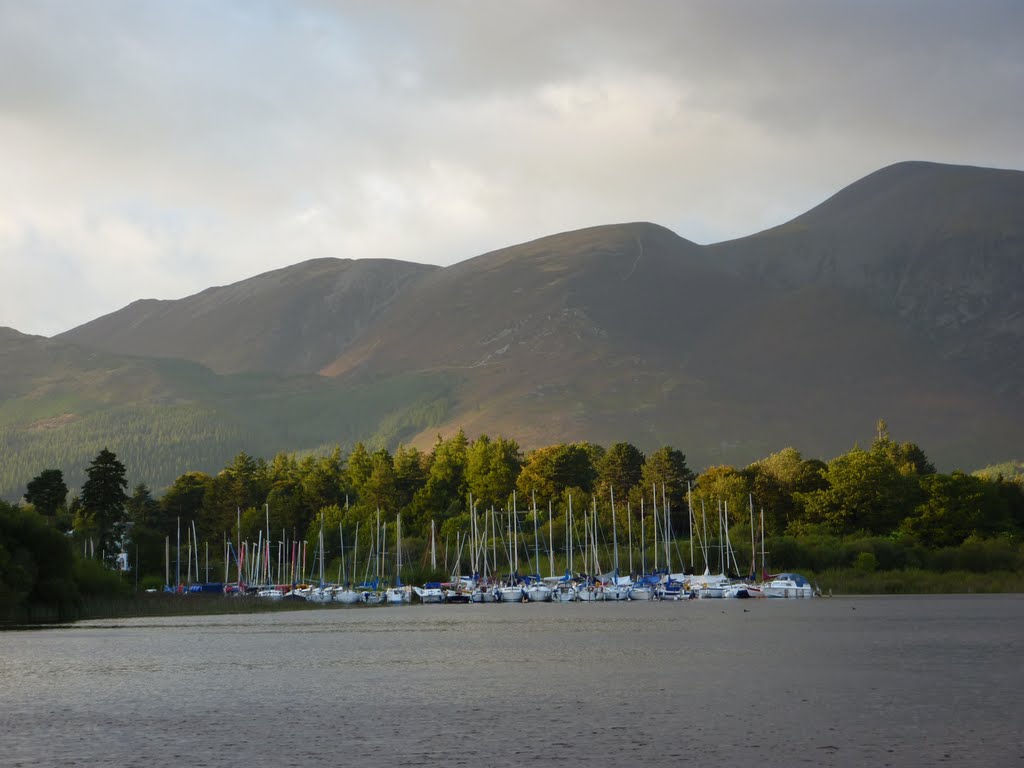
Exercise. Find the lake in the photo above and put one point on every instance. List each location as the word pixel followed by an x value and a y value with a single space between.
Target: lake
pixel 837 681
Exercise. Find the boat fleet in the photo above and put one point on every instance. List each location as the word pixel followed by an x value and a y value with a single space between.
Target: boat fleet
pixel 565 589
pixel 484 586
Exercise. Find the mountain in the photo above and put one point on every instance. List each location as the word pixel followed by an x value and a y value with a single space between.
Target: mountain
pixel 940 246
pixel 291 320
pixel 898 298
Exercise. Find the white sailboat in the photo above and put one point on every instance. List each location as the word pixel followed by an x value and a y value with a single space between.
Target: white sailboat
pixel 399 594
pixel 536 591
pixel 343 593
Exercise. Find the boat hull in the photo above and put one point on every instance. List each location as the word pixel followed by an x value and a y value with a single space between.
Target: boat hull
pixel 616 593
pixel 538 593
pixel 510 594
pixel 347 596
pixel 589 594
pixel 563 595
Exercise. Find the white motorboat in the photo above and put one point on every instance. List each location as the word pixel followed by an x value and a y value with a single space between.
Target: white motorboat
pixel 429 593
pixel 791 585
pixel 742 590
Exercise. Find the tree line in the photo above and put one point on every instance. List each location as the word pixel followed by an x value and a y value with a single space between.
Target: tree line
pixel 888 493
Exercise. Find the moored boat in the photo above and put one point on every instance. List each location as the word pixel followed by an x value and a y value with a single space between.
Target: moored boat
pixel 788 585
pixel 563 592
pixel 346 596
pixel 430 593
pixel 510 593
pixel 589 592
pixel 537 592
pixel 398 595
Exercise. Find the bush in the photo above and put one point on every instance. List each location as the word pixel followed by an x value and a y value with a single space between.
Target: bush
pixel 866 562
pixel 95 580
pixel 987 555
pixel 152 582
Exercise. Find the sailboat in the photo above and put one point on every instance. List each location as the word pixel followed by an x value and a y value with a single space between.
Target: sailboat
pixel 590 590
pixel 643 588
pixel 371 595
pixel 512 590
pixel 536 591
pixel 344 594
pixel 615 590
pixel 398 594
pixel 483 591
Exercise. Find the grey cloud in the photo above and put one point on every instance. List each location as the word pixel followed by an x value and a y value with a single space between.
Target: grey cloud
pixel 208 141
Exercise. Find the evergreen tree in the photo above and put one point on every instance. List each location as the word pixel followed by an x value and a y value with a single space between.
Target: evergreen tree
pixel 620 470
pixel 143 509
pixel 103 501
pixel 47 492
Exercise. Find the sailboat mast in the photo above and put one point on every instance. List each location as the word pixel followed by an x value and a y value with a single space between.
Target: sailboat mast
pixel 472 535
pixel 654 519
pixel 341 543
pixel 568 524
pixel 629 534
pixel 551 543
pixel 643 553
pixel 536 539
pixel 689 505
pixel 355 553
pixel 753 546
pixel 321 550
pixel 666 530
pixel 615 533
pixel 515 532
pixel 764 570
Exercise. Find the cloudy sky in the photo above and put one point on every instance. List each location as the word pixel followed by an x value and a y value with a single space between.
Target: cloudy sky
pixel 152 149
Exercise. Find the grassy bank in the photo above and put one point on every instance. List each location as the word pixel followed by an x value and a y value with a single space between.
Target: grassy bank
pixel 914 581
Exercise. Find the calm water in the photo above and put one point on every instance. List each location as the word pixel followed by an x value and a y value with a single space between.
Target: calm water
pixel 864 681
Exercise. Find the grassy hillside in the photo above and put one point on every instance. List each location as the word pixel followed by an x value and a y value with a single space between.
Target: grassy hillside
pixel 165 417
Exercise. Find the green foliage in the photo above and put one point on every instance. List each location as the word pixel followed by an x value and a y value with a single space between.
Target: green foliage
pixel 35 562
pixel 95 580
pixel 491 470
pixel 955 507
pixel 620 470
pixel 872 512
pixel 47 491
pixel 866 491
pixel 104 499
pixel 550 472
pixel 866 561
